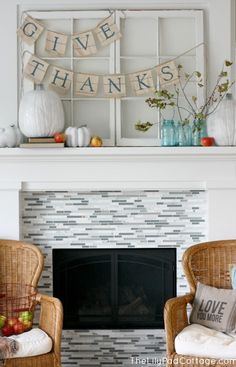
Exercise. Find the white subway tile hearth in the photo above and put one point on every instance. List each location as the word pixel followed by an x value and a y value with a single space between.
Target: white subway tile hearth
pixel 113 219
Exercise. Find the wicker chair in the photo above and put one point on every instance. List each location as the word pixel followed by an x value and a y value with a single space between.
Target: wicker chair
pixel 23 263
pixel 208 263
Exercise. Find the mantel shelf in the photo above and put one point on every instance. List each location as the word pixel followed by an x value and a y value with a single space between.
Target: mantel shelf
pixel 119 152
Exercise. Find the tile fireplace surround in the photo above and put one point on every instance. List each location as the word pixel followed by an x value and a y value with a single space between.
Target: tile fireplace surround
pixel 43 185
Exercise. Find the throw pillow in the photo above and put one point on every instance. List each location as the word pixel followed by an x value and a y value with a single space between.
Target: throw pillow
pixel 214 308
pixel 233 276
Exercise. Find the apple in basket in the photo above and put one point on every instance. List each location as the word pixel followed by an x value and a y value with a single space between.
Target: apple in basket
pixel 25 316
pixel 27 325
pixel 12 321
pixel 7 330
pixel 18 328
pixel 2 320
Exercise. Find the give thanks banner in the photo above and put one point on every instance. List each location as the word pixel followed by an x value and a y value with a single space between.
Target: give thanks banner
pixel 86 44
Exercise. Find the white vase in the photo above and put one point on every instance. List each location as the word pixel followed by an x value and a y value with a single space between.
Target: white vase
pixel 41 113
pixel 222 124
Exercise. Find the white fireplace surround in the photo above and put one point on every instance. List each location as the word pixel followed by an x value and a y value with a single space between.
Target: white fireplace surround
pixel 212 169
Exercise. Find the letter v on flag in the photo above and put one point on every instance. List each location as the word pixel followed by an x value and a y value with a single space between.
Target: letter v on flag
pixel 84 44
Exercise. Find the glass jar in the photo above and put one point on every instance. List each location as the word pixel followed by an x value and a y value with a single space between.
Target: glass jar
pixel 199 130
pixel 222 124
pixel 168 133
pixel 184 134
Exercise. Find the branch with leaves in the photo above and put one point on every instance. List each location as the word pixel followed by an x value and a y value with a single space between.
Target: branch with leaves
pixel 164 99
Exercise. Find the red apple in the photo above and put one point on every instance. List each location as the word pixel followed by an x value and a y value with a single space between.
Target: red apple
pixel 27 325
pixel 207 141
pixel 7 330
pixel 12 321
pixel 18 328
pixel 59 137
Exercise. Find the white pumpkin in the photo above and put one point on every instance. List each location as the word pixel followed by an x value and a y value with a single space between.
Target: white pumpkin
pixel 10 137
pixel 71 136
pixel 84 136
pixel 77 137
pixel 41 113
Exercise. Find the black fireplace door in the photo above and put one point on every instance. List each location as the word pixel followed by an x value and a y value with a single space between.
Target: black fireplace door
pixel 108 288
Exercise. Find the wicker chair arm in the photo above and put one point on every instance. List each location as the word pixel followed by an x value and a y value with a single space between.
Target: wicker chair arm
pixel 51 320
pixel 176 318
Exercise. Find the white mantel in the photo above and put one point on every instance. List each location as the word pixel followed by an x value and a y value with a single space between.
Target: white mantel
pixel 212 169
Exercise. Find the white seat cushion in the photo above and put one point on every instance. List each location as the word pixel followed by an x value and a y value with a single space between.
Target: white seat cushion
pixel 199 341
pixel 32 343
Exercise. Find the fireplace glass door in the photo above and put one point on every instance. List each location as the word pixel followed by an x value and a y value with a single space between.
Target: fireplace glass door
pixel 110 288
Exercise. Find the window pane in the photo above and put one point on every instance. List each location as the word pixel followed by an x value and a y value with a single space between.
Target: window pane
pixel 134 36
pixel 131 112
pixel 176 35
pixel 94 114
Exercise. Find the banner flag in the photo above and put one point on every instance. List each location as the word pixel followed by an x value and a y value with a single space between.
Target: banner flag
pixel 36 69
pixel 107 31
pixel 30 30
pixel 56 43
pixel 142 82
pixel 84 44
pixel 86 84
pixel 168 73
pixel 114 86
pixel 60 79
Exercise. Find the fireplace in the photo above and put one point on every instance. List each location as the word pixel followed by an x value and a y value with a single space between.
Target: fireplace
pixel 108 288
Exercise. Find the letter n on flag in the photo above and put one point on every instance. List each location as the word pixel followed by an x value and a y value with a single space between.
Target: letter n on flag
pixel 168 73
pixel 84 44
pixel 142 82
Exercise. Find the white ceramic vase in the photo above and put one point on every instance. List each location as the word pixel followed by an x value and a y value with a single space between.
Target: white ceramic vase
pixel 222 124
pixel 41 113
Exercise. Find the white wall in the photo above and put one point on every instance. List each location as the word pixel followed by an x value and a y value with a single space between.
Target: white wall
pixel 219 21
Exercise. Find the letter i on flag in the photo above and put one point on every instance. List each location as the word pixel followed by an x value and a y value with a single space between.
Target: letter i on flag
pixel 107 31
pixel 36 69
pixel 30 30
pixel 84 44
pixel 56 43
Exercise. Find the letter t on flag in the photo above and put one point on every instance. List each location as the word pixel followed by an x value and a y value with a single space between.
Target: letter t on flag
pixel 84 44
pixel 107 31
pixel 36 69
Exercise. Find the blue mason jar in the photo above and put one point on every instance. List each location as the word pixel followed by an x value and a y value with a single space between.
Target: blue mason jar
pixel 199 131
pixel 168 133
pixel 184 134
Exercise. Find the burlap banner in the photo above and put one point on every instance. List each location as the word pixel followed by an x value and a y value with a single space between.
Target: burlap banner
pixel 114 85
pixel 84 43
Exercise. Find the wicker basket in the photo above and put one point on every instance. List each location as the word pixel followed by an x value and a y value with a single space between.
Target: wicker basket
pixel 17 303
